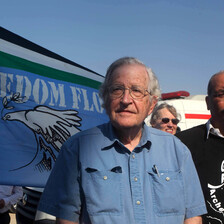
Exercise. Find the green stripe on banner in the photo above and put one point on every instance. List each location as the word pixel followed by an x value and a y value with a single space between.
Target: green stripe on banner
pixel 11 61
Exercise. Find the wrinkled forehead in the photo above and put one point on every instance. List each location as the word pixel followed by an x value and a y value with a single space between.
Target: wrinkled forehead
pixel 130 73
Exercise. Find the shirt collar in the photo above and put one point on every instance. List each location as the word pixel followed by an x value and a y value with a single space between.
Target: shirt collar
pixel 113 139
pixel 145 139
pixel 212 130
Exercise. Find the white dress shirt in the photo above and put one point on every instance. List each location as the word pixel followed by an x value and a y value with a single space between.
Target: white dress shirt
pixel 212 130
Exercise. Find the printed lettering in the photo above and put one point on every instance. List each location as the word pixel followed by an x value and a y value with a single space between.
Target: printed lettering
pixel 222 166
pixel 218 205
pixel 97 105
pixel 222 170
pixel 28 87
pixel 85 98
pixel 213 196
pixel 6 84
pixel 40 91
pixel 215 200
pixel 49 93
pixel 76 92
pixel 222 178
pixel 56 94
pixel 3 77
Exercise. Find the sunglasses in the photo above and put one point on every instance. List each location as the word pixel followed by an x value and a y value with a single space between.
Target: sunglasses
pixel 166 120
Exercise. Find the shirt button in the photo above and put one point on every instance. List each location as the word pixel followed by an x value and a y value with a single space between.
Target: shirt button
pixel 135 179
pixel 105 177
pixel 133 156
pixel 167 179
pixel 138 202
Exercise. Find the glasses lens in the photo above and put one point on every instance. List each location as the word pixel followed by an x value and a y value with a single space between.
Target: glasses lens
pixel 166 120
pixel 116 91
pixel 175 121
pixel 137 92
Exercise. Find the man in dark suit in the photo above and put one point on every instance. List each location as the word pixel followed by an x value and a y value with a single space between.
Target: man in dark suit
pixel 206 143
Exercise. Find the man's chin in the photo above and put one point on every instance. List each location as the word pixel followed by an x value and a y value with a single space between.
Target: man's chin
pixel 124 125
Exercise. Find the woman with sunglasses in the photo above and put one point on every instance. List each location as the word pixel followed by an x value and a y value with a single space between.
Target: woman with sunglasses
pixel 165 118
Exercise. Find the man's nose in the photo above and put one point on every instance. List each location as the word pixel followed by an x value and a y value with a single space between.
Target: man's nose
pixel 126 96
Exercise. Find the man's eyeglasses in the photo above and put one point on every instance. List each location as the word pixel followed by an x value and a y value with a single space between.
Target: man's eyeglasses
pixel 166 120
pixel 136 92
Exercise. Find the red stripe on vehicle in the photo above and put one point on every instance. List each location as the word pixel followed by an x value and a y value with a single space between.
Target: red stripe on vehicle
pixel 197 116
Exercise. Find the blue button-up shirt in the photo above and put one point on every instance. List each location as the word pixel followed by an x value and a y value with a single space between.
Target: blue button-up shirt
pixel 97 180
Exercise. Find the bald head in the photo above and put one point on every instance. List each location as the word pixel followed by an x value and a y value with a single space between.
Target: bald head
pixel 215 100
pixel 213 80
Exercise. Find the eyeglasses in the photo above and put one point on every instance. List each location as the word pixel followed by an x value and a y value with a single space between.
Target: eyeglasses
pixel 136 92
pixel 166 120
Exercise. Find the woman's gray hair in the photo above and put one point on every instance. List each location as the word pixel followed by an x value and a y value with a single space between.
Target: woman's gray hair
pixel 170 108
pixel 153 85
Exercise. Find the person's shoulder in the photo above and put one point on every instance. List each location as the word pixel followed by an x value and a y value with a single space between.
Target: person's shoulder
pixel 193 136
pixel 156 134
pixel 200 129
pixel 90 133
pixel 93 131
pixel 171 142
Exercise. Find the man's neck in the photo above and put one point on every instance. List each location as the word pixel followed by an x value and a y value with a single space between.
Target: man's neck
pixel 129 137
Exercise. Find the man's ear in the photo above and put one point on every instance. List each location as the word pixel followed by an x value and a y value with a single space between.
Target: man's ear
pixel 153 104
pixel 207 102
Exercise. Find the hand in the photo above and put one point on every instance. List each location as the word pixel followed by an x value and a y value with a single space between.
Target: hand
pixel 2 203
pixel 193 220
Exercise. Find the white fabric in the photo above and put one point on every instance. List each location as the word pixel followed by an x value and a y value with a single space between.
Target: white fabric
pixel 212 130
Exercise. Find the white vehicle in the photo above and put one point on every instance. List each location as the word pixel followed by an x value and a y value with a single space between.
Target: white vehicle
pixel 193 109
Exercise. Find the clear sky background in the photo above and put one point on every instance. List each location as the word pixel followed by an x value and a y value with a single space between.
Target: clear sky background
pixel 181 40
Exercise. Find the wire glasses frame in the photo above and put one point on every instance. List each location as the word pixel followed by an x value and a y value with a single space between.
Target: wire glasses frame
pixel 136 92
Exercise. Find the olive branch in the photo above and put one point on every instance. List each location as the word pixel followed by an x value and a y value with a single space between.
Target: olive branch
pixel 6 100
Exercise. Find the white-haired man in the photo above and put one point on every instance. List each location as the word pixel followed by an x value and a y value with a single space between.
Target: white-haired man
pixel 123 171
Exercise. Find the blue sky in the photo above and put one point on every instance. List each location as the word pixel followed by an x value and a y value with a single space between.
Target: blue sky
pixel 181 40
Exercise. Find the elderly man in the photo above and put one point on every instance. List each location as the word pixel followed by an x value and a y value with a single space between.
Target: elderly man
pixel 206 143
pixel 123 171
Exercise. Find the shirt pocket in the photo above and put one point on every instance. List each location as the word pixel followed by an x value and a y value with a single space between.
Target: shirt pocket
pixel 103 191
pixel 168 193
